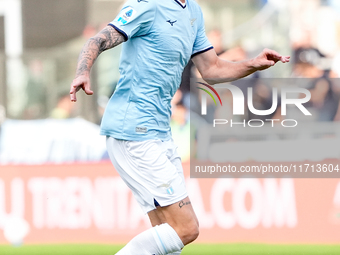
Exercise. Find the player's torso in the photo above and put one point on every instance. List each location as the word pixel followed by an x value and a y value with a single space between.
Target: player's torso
pixel 151 69
pixel 161 55
pixel 174 30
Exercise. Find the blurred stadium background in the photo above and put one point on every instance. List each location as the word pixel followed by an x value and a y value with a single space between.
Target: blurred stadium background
pixel 57 185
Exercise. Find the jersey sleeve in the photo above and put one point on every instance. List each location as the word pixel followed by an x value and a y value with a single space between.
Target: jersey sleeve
pixel 201 43
pixel 135 18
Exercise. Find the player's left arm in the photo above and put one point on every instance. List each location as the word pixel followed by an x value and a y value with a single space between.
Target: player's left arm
pixel 216 70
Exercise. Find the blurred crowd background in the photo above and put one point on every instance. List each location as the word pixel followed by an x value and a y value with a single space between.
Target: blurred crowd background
pixel 40 41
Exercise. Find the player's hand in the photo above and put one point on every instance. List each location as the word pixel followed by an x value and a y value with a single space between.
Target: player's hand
pixel 268 58
pixel 81 82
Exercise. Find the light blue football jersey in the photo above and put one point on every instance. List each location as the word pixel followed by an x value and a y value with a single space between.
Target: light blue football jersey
pixel 162 36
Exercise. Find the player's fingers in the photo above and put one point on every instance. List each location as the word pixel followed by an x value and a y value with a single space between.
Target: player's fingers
pixel 73 96
pixel 87 89
pixel 285 59
pixel 74 89
pixel 77 84
pixel 273 53
pixel 270 63
pixel 89 92
pixel 84 83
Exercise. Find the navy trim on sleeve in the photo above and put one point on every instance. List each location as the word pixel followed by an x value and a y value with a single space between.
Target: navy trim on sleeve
pixel 202 51
pixel 119 31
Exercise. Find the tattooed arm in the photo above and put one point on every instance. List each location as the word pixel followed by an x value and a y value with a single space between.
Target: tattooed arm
pixel 104 40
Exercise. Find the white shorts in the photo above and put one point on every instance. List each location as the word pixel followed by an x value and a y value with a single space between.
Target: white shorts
pixel 152 169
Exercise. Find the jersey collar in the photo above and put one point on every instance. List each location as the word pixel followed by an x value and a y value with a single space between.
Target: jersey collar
pixel 181 4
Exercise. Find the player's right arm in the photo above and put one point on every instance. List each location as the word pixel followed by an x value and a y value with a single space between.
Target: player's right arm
pixel 104 40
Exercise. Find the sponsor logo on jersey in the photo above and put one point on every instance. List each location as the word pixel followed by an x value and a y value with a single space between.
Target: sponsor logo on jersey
pixel 171 22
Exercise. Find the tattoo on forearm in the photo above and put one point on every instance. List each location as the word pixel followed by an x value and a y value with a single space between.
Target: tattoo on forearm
pixel 104 40
pixel 182 203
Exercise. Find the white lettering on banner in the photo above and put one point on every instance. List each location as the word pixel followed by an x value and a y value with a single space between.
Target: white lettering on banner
pixel 53 187
pixel 107 204
pixel 36 187
pixel 280 205
pixel 72 203
pixel 252 218
pixel 273 203
pixel 206 219
pixel 136 216
pixel 76 203
pixel 122 205
pixel 15 227
pixel 17 201
pixel 223 219
pixel 85 201
pixel 336 199
pixel 2 204
pixel 103 196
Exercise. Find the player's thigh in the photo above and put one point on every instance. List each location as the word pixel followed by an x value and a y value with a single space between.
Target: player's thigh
pixel 181 217
pixel 156 218
pixel 179 213
pixel 162 215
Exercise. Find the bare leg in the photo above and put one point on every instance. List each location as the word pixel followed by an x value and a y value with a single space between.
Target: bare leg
pixel 180 216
